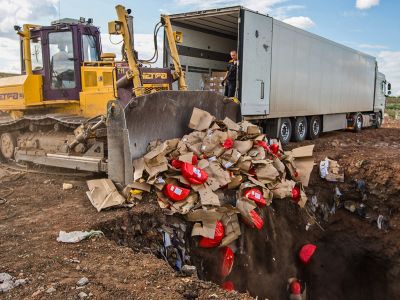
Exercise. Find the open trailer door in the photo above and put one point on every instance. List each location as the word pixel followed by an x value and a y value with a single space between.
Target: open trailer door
pixel 255 53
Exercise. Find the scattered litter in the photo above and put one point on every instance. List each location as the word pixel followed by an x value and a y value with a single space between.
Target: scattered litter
pixel 82 295
pixel 189 270
pixel 362 188
pixel 379 221
pixel 77 236
pixel 82 282
pixel 103 194
pixel 51 290
pixel 67 186
pixel 330 170
pixel 8 282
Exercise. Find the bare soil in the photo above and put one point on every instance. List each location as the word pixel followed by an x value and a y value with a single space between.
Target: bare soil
pixel 354 259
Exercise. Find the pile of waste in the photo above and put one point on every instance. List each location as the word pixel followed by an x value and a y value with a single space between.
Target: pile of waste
pixel 220 174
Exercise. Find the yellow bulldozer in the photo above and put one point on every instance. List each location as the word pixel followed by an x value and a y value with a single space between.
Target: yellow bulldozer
pixel 76 107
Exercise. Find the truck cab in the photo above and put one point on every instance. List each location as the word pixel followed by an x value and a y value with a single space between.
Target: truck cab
pixel 58 52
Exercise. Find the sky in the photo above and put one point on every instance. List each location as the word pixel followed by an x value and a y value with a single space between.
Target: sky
pixel 370 26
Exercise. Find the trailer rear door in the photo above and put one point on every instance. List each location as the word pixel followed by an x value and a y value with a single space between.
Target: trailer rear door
pixel 255 49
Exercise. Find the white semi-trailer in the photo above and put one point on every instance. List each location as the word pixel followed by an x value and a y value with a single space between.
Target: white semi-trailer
pixel 294 83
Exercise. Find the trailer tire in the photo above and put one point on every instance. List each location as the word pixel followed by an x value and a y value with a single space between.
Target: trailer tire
pixel 300 129
pixel 378 120
pixel 314 127
pixel 358 122
pixel 285 131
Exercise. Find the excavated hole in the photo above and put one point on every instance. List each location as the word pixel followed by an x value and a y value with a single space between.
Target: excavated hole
pixel 344 266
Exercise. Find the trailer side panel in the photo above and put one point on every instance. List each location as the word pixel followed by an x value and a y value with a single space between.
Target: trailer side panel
pixel 314 76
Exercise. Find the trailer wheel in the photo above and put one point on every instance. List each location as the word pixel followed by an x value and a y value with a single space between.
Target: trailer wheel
pixel 314 127
pixel 8 143
pixel 378 120
pixel 300 129
pixel 285 131
pixel 358 122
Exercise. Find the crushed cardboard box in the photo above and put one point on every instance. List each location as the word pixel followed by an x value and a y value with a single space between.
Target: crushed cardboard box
pixel 103 194
pixel 236 157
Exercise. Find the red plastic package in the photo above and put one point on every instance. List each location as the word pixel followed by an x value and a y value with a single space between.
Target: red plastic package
pixel 228 143
pixel 177 164
pixel 206 242
pixel 274 148
pixel 256 219
pixel 306 252
pixel 263 144
pixel 194 174
pixel 255 195
pixel 296 193
pixel 228 286
pixel 175 193
pixel 227 261
pixel 295 287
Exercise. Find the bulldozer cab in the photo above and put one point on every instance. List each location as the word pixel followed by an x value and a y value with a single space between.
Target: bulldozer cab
pixel 57 53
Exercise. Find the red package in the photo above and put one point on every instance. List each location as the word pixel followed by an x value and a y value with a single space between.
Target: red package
pixel 256 219
pixel 206 242
pixel 264 145
pixel 194 174
pixel 175 193
pixel 227 261
pixel 296 193
pixel 295 288
pixel 228 143
pixel 255 195
pixel 274 148
pixel 228 286
pixel 177 164
pixel 306 252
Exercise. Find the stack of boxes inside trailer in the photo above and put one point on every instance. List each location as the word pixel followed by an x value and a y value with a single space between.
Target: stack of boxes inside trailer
pixel 213 82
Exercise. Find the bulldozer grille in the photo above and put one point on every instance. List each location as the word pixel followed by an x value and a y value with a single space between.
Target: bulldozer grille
pixel 152 88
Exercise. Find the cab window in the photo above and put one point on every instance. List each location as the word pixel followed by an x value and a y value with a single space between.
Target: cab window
pixel 36 54
pixel 62 67
pixel 89 48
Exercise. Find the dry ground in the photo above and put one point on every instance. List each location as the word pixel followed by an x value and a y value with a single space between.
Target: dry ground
pixel 38 208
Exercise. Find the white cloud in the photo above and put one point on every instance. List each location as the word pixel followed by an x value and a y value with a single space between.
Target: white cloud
pixel 143 44
pixel 300 22
pixel 365 4
pixel 262 6
pixel 372 46
pixel 9 55
pixel 271 7
pixel 389 64
pixel 24 11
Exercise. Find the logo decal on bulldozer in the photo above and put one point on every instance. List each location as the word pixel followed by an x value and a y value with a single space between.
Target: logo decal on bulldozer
pixel 11 96
pixel 155 75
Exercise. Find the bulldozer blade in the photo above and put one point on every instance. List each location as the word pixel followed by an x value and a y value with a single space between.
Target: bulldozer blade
pixel 158 116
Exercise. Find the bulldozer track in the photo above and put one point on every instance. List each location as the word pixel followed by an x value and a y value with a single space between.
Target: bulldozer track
pixel 7 124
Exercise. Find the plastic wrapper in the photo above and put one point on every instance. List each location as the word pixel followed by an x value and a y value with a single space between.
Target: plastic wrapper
pixel 176 193
pixel 306 252
pixel 194 174
pixel 227 260
pixel 255 195
pixel 218 236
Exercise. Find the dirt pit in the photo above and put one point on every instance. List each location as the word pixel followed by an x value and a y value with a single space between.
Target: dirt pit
pixel 354 259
